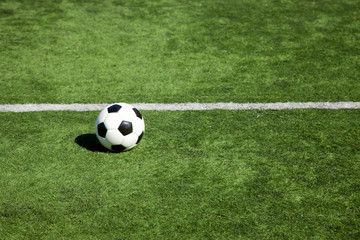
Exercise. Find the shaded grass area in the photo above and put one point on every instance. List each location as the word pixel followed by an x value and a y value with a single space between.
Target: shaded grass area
pixel 196 174
pixel 179 51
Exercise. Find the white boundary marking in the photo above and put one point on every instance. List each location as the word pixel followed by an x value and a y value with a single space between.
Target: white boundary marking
pixel 182 106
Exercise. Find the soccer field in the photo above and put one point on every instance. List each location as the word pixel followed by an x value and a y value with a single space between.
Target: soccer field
pixel 240 170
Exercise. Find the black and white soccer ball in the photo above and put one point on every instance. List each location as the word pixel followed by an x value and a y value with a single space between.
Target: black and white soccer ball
pixel 119 127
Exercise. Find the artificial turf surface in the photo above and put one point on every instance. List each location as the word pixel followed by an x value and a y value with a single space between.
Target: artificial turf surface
pixel 291 174
pixel 218 174
pixel 179 51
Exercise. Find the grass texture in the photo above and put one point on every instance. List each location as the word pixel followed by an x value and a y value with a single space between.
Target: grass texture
pixel 179 51
pixel 219 174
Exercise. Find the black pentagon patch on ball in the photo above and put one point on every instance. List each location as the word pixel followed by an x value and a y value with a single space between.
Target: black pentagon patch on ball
pixel 140 137
pixel 125 128
pixel 118 148
pixel 137 113
pixel 101 130
pixel 114 108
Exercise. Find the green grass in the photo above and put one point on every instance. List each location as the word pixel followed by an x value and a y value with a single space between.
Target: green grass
pixel 291 174
pixel 198 174
pixel 176 51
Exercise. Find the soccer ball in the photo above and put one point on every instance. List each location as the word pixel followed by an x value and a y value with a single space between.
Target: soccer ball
pixel 119 127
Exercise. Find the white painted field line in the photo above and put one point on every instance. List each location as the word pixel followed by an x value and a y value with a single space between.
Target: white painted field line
pixel 182 106
pixel 50 107
pixel 248 106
